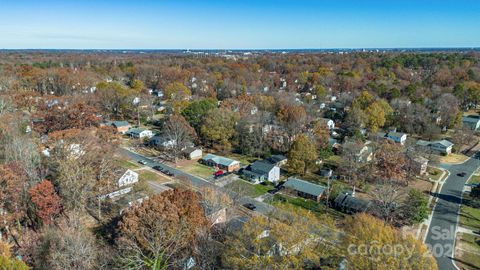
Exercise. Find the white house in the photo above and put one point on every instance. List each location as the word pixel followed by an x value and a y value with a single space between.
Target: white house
pixel 329 123
pixel 441 146
pixel 162 141
pixel 139 133
pixel 261 171
pixel 192 153
pixel 128 178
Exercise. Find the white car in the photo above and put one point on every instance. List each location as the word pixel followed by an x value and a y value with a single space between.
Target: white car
pixel 143 162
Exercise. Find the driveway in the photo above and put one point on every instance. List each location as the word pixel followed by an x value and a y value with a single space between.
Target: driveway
pixel 198 182
pixel 441 233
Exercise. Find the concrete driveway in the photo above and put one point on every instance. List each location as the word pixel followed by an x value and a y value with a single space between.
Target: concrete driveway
pixel 442 231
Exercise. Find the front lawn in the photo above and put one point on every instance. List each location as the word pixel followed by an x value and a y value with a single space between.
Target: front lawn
pixel 467 251
pixel 245 188
pixel 470 216
pixel 434 173
pixel 149 176
pixel 475 179
pixel 199 170
pixel 453 158
pixel 126 164
pixel 307 204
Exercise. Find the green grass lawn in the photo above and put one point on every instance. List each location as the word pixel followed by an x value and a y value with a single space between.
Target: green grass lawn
pixel 475 179
pixel 244 160
pixel 434 173
pixel 307 204
pixel 145 175
pixel 468 242
pixel 248 189
pixel 200 170
pixel 127 164
pixel 470 217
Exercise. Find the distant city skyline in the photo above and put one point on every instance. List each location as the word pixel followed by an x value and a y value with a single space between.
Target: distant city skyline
pixel 213 24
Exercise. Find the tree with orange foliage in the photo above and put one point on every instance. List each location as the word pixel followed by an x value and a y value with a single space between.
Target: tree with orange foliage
pixel 11 205
pixel 47 202
pixel 165 227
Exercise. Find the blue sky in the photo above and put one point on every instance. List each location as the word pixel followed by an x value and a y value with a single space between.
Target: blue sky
pixel 209 24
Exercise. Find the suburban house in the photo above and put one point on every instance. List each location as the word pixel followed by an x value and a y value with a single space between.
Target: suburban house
pixel 328 123
pixel 128 178
pixel 120 126
pixel 261 171
pixel 192 153
pixel 161 141
pixel 419 165
pixel 397 137
pixel 472 122
pixel 278 160
pixel 305 189
pixel 222 163
pixel 349 204
pixel 441 146
pixel 139 133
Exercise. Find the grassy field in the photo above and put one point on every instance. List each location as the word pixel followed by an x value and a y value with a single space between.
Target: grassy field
pixel 453 158
pixel 146 175
pixel 307 204
pixel 127 164
pixel 475 179
pixel 248 189
pixel 199 170
pixel 469 250
pixel 470 216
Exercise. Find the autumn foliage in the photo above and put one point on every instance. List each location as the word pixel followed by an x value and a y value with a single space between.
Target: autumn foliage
pixel 47 202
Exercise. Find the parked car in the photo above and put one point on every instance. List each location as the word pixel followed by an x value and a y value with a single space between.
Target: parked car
pixel 462 174
pixel 250 206
pixel 218 174
pixel 158 168
pixel 143 162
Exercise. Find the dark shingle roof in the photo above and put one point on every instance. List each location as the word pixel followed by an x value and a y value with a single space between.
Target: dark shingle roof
pixel 261 166
pixel 304 186
pixel 348 202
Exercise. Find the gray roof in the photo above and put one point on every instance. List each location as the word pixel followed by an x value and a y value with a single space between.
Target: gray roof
pixel 261 167
pixel 135 130
pixel 444 143
pixel 220 160
pixel 304 186
pixel 471 119
pixel 277 158
pixel 348 202
pixel 118 123
pixel 396 134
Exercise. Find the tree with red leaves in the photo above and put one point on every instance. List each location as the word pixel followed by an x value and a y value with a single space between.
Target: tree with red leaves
pixel 47 202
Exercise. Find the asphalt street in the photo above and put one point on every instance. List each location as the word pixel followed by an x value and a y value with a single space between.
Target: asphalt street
pixel 198 182
pixel 441 233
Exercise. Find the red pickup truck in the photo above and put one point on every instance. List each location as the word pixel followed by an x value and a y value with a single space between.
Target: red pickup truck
pixel 218 173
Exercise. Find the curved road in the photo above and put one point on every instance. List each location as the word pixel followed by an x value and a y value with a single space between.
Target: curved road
pixel 442 230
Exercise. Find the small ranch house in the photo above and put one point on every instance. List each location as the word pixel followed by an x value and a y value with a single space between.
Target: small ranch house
pixel 162 142
pixel 278 160
pixel 397 137
pixel 305 189
pixel 121 126
pixel 349 204
pixel 221 163
pixel 441 146
pixel 472 122
pixel 261 171
pixel 139 133
pixel 192 153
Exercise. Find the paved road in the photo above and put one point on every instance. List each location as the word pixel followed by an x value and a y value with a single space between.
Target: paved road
pixel 200 182
pixel 441 233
